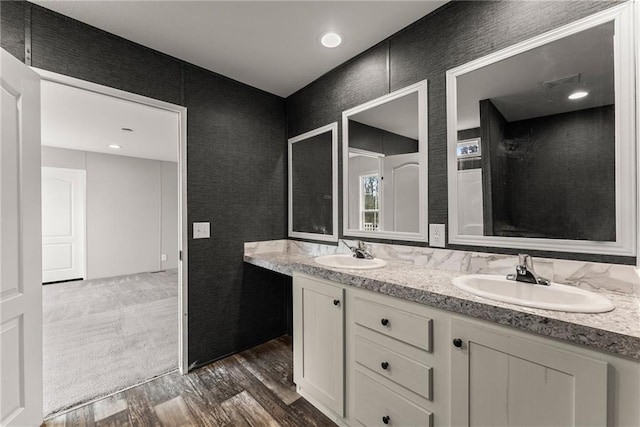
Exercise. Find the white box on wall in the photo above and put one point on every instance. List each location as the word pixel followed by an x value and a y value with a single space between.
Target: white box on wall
pixel 201 230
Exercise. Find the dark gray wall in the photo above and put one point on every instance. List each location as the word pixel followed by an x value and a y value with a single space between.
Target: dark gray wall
pixel 12 34
pixel 455 34
pixel 236 159
pixel 553 176
pixel 562 169
pixel 370 138
pixel 494 167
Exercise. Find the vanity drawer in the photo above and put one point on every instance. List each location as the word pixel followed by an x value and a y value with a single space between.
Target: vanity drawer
pixel 398 324
pixel 395 367
pixel 376 404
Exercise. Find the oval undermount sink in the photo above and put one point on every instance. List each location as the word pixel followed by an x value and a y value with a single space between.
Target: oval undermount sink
pixel 553 297
pixel 349 261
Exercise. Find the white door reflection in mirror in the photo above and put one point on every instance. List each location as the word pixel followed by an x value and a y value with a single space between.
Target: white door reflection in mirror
pixel 470 201
pixel 401 189
pixel 385 144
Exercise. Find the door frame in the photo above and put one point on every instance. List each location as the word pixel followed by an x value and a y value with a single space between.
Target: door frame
pixel 183 359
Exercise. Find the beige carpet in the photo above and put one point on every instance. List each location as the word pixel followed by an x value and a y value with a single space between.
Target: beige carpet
pixel 103 335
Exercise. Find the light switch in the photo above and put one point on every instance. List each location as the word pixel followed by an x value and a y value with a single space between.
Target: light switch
pixel 436 235
pixel 201 230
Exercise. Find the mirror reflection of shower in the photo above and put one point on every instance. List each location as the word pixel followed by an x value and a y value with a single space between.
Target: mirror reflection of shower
pixel 536 142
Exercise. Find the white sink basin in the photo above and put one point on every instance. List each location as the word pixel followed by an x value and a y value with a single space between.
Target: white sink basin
pixel 348 261
pixel 553 297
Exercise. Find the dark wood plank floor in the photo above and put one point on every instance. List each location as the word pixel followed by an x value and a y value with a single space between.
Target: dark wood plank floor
pixel 252 388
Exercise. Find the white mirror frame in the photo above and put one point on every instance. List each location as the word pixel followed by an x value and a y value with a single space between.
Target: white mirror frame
pixel 421 236
pixel 625 168
pixel 333 237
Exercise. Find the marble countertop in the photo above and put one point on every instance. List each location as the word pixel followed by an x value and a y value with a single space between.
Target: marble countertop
pixel 617 331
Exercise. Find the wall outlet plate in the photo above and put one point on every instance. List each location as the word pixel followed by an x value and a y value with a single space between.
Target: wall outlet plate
pixel 201 230
pixel 436 235
pixel 163 257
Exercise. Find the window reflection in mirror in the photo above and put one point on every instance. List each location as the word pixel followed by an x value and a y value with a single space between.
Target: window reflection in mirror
pixel 384 195
pixel 537 138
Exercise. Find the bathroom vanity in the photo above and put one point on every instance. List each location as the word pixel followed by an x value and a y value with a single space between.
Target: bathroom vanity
pixel 541 156
pixel 400 345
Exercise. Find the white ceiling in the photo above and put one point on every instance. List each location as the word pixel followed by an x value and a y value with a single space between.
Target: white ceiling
pixel 78 119
pixel 271 45
pixel 516 85
pixel 399 116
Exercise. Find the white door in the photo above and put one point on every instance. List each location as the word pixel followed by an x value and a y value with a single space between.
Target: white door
pixel 63 224
pixel 20 246
pixel 470 212
pixel 401 193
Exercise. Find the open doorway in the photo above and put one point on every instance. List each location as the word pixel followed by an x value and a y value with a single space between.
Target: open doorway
pixel 114 232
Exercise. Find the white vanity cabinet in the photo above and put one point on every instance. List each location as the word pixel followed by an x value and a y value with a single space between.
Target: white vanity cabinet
pixel 318 342
pixel 501 376
pixel 392 364
pixel 376 360
pixel 498 379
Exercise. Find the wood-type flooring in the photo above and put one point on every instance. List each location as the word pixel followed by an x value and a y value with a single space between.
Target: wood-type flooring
pixel 252 388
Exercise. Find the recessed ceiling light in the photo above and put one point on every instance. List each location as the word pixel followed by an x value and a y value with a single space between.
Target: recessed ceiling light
pixel 331 39
pixel 578 95
pixel 114 146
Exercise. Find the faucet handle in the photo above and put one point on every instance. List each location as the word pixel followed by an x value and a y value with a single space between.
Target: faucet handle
pixel 525 260
pixel 352 248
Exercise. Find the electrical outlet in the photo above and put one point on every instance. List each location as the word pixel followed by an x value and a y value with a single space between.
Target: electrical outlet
pixel 201 230
pixel 163 257
pixel 436 235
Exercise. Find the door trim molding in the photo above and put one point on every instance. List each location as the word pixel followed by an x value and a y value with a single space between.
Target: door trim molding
pixel 45 75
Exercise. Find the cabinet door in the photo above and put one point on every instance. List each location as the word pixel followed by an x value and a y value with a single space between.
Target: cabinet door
pixel 318 341
pixel 499 380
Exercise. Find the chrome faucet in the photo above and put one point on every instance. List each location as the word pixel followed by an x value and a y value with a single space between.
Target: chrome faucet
pixel 360 250
pixel 525 272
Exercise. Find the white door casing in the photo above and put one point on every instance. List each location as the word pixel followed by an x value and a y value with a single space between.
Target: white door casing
pixel 182 188
pixel 63 224
pixel 20 246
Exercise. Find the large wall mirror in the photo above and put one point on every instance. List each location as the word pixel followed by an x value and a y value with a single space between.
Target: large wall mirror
pixel 313 184
pixel 541 148
pixel 385 166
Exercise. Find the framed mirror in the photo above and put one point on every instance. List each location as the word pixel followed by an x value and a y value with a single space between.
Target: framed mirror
pixel 385 166
pixel 313 184
pixel 541 147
